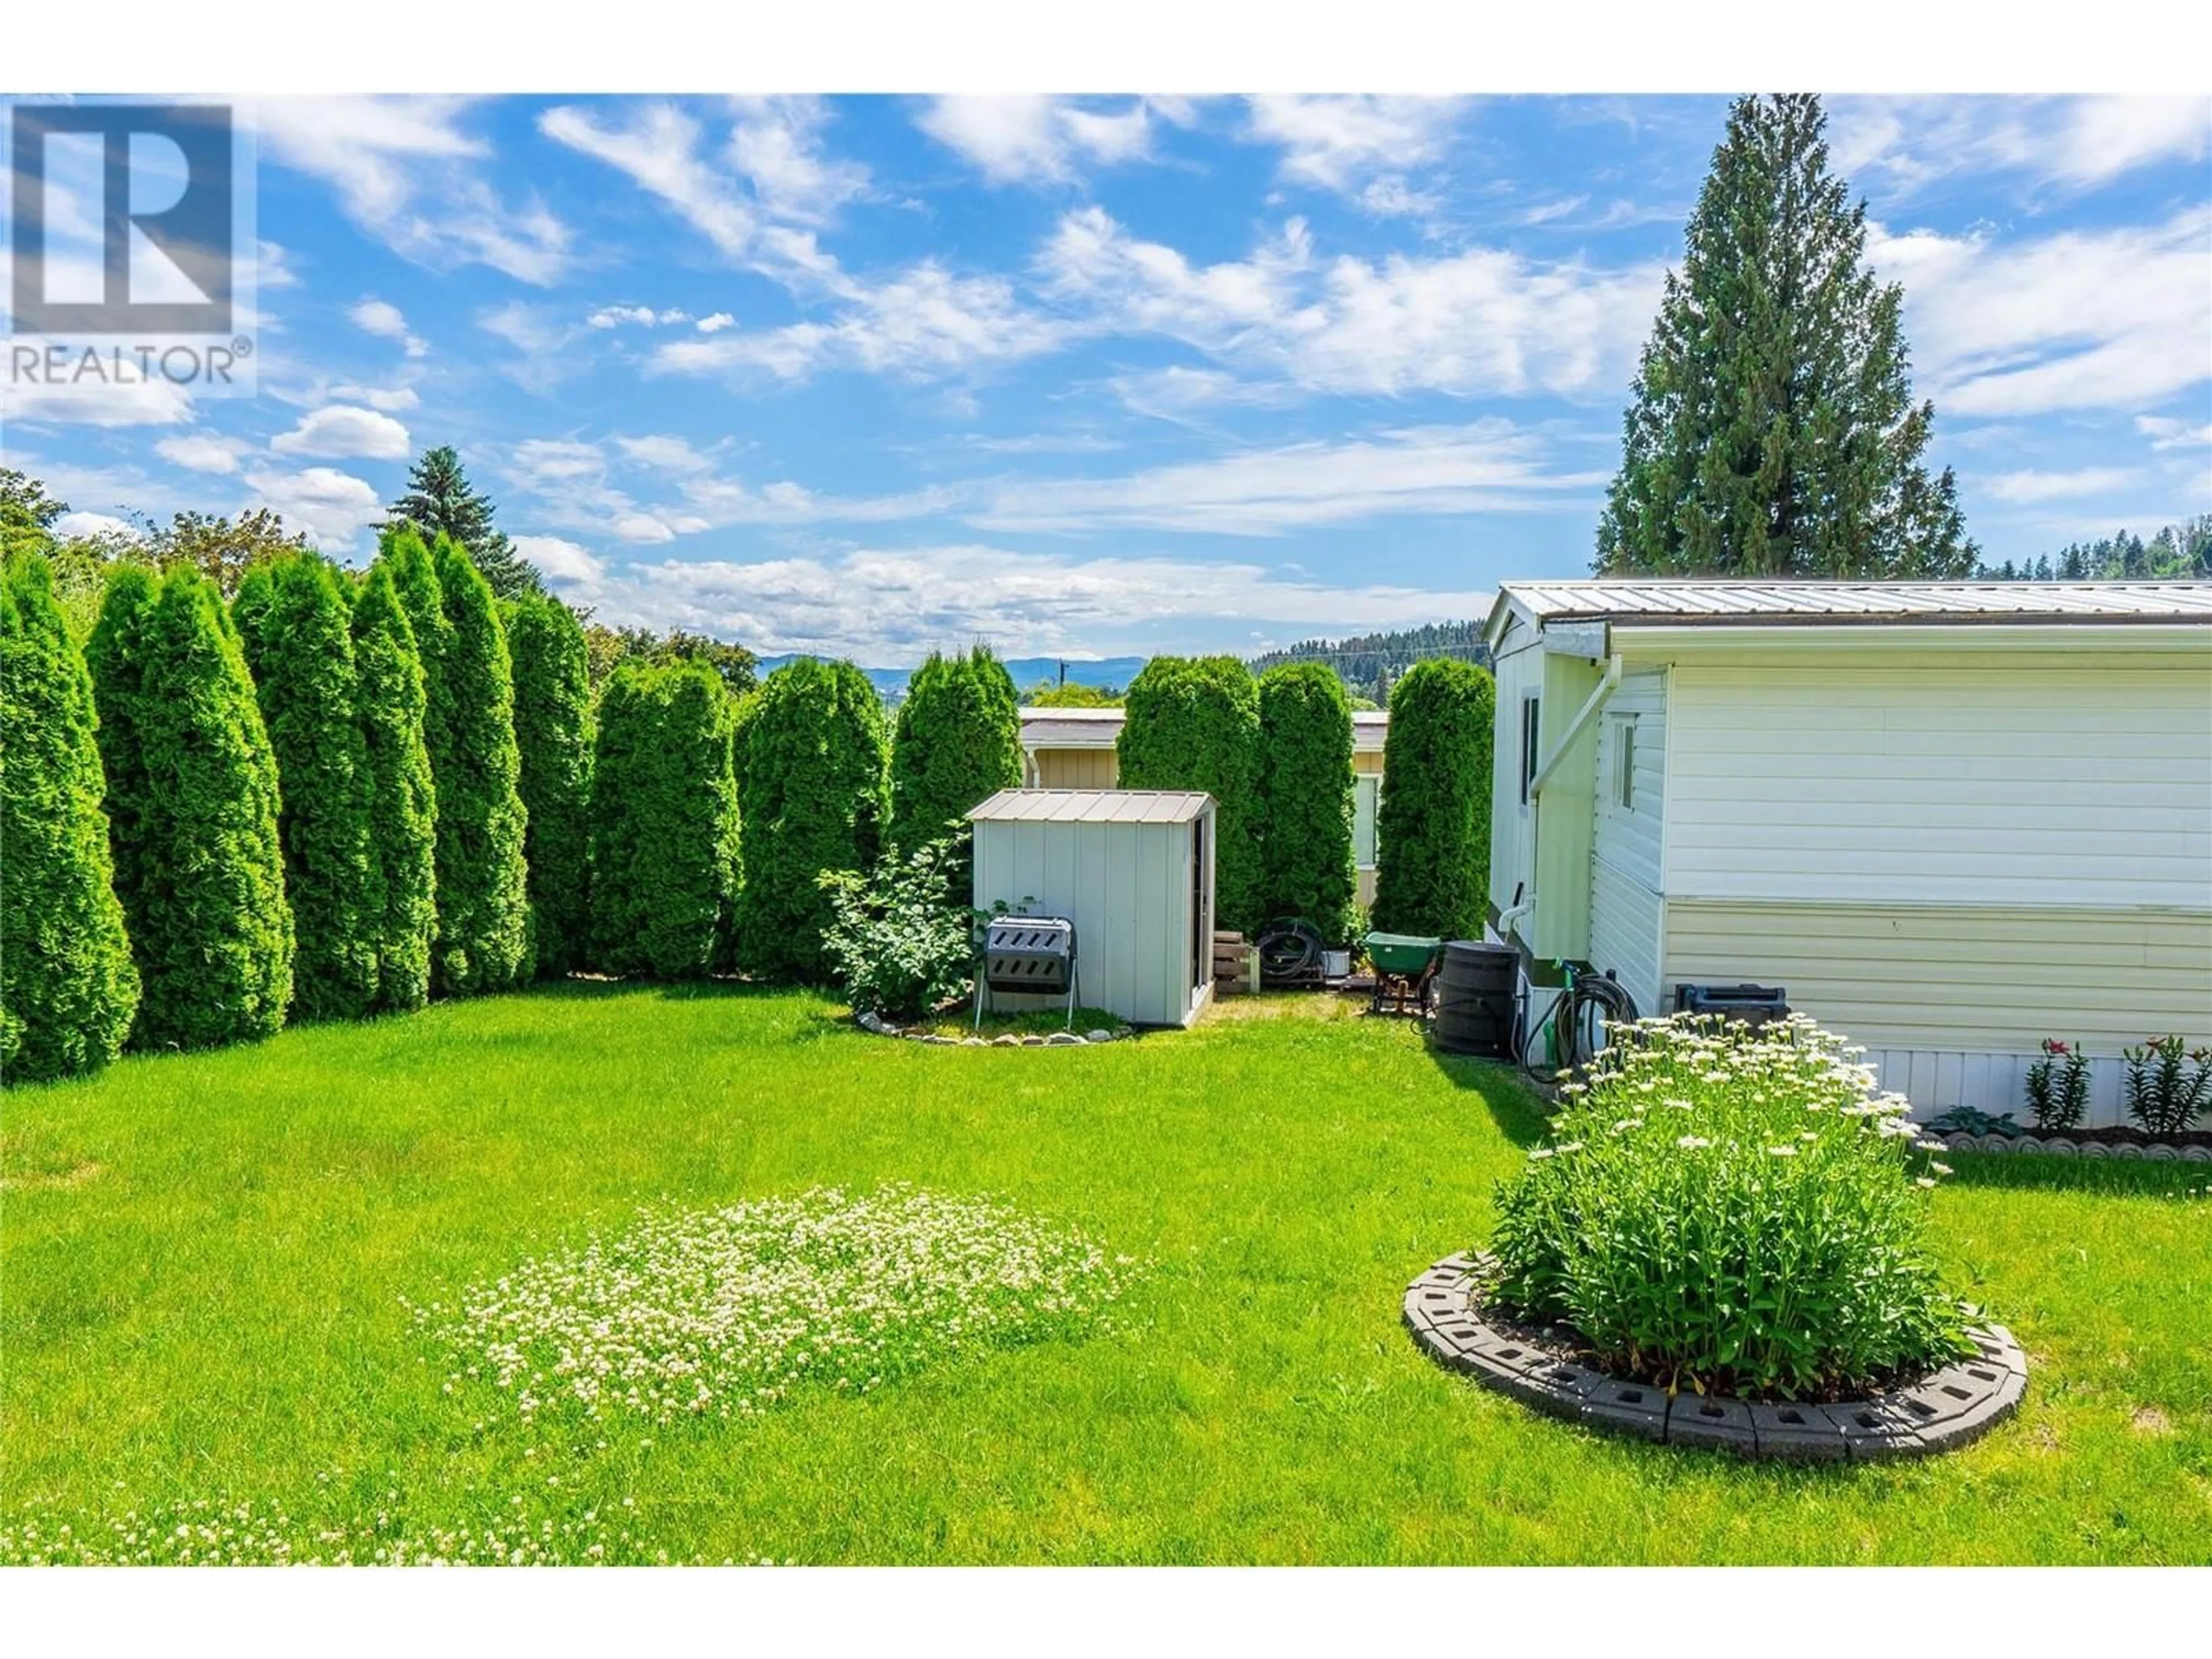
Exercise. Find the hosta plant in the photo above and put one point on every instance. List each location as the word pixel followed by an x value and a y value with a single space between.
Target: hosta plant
pixel 1732 1209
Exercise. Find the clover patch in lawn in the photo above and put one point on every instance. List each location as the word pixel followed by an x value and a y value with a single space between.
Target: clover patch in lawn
pixel 687 1313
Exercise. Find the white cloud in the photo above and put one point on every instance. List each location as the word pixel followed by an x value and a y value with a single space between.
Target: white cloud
pixel 387 321
pixel 2031 486
pixel 339 433
pixel 2114 318
pixel 407 172
pixel 202 451
pixel 332 507
pixel 1489 466
pixel 392 399
pixel 1017 139
pixel 1898 145
pixel 636 316
pixel 1360 147
pixel 2165 432
pixel 894 605
pixel 716 323
pixel 777 145
pixel 72 526
pixel 562 562
pixel 666 454
pixel 151 403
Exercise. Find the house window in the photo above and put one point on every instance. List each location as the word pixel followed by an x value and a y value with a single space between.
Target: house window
pixel 1624 763
pixel 1365 788
pixel 1531 724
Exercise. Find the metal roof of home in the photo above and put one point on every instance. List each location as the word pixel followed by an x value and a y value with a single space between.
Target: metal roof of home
pixel 1679 602
pixel 1098 728
pixel 1092 806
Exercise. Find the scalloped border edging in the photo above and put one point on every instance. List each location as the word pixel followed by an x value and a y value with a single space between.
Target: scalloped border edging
pixel 1942 1412
pixel 875 1025
pixel 2030 1144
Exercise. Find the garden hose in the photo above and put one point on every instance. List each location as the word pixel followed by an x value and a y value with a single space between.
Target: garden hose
pixel 1589 993
pixel 1290 948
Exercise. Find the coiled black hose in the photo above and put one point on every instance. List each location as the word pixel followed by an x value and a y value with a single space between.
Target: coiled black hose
pixel 1569 1012
pixel 1289 948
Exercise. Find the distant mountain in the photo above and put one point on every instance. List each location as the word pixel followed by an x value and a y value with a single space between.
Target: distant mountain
pixel 1028 672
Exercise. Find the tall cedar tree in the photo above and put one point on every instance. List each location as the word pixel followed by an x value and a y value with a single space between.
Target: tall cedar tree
pixel 399 910
pixel 1432 825
pixel 664 827
pixel 297 630
pixel 68 989
pixel 1773 431
pixel 1305 797
pixel 957 742
pixel 812 792
pixel 440 501
pixel 484 903
pixel 553 736
pixel 193 805
pixel 1193 723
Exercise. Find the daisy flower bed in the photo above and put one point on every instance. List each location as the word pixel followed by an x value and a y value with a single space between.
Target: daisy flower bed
pixel 722 1313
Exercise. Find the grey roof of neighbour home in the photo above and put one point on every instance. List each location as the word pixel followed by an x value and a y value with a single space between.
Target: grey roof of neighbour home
pixel 1092 806
pixel 1098 728
pixel 1723 602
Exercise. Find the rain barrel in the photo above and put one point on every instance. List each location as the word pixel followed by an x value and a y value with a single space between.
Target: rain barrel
pixel 1474 998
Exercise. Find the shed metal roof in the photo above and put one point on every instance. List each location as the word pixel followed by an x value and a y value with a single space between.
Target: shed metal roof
pixel 1092 806
pixel 1721 602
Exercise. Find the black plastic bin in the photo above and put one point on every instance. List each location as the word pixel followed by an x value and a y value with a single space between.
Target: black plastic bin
pixel 1755 1005
pixel 1475 988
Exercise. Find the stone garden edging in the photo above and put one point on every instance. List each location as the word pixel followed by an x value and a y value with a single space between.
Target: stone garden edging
pixel 1940 1413
pixel 2029 1144
pixel 877 1025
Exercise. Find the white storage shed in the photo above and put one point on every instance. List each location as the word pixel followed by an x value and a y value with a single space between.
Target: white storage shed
pixel 1131 868
pixel 1949 820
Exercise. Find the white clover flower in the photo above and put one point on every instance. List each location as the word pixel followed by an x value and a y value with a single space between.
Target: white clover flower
pixel 1922 1181
pixel 1691 1143
pixel 1941 1168
pixel 1781 1151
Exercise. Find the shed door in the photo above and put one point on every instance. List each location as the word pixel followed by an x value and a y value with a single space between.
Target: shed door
pixel 1202 908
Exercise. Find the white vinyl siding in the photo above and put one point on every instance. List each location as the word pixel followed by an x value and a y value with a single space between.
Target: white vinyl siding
pixel 2064 781
pixel 1626 914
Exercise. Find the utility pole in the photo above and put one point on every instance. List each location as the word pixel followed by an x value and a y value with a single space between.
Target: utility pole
pixel 1063 673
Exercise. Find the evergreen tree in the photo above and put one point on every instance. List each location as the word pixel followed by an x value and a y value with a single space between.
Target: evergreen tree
pixel 193 805
pixel 68 989
pixel 553 737
pixel 664 824
pixel 1432 824
pixel 440 501
pixel 484 906
pixel 957 741
pixel 297 630
pixel 399 902
pixel 1305 797
pixel 812 792
pixel 1773 431
pixel 1193 723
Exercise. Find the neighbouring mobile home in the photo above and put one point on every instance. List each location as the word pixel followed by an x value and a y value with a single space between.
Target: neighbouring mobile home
pixel 1950 819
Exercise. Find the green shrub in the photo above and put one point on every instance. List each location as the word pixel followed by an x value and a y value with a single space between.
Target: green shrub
pixel 399 907
pixel 2163 1094
pixel 297 632
pixel 1432 822
pixel 553 737
pixel 1193 723
pixel 199 867
pixel 2058 1087
pixel 903 940
pixel 68 989
pixel 812 792
pixel 664 824
pixel 958 741
pixel 1305 797
pixel 1734 1210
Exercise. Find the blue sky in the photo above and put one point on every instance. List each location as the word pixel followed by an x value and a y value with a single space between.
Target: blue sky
pixel 1110 374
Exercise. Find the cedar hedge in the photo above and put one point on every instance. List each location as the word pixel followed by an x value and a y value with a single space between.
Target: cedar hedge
pixel 1193 723
pixel 193 792
pixel 1305 797
pixel 958 742
pixel 553 738
pixel 398 910
pixel 68 988
pixel 664 845
pixel 812 792
pixel 297 631
pixel 1432 824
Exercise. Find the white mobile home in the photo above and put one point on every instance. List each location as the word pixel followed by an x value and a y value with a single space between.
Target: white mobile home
pixel 1950 819
pixel 1131 868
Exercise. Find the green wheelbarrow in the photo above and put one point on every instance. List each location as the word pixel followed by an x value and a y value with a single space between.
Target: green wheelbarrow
pixel 1405 971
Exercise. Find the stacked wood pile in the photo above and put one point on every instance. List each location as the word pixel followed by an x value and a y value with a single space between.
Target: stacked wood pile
pixel 1235 965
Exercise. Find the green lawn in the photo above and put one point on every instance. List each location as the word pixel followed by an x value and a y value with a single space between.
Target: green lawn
pixel 202 1264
